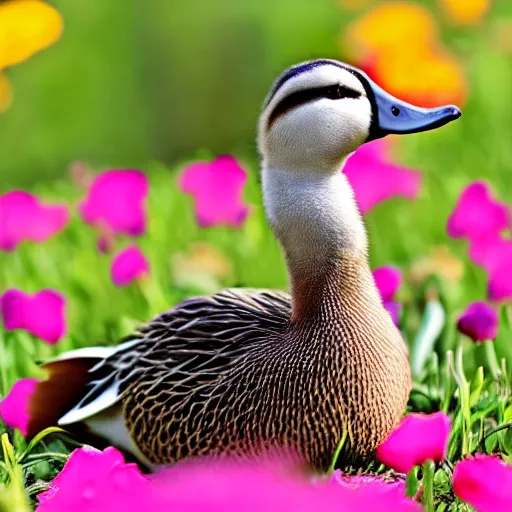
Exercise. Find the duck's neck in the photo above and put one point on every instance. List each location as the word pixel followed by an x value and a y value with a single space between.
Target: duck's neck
pixel 317 222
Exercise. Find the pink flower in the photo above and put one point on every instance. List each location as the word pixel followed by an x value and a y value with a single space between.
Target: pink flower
pixel 395 310
pixel 494 254
pixel 418 438
pixel 477 213
pixel 41 314
pixel 101 481
pixel 97 481
pixel 14 407
pixel 368 493
pixel 23 217
pixel 479 322
pixel 499 286
pixel 490 250
pixel 388 280
pixel 116 202
pixel 128 265
pixel 485 482
pixel 217 190
pixel 375 178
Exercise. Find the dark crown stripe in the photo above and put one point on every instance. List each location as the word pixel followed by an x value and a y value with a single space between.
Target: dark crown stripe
pixel 298 70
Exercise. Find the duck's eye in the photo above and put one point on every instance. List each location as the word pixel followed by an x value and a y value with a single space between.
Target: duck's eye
pixel 395 111
pixel 336 92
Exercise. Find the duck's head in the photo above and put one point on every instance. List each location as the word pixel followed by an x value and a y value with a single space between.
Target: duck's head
pixel 319 112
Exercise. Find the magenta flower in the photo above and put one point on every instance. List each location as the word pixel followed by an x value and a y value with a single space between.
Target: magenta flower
pixel 375 178
pixel 418 438
pixel 128 265
pixel 490 251
pixel 499 287
pixel 395 310
pixel 116 202
pixel 477 213
pixel 41 314
pixel 388 280
pixel 23 217
pixel 101 481
pixel 485 482
pixel 14 407
pixel 217 190
pixel 367 493
pixel 479 322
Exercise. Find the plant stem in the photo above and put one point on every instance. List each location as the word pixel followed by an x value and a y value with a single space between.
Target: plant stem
pixel 492 360
pixel 428 486
pixel 411 483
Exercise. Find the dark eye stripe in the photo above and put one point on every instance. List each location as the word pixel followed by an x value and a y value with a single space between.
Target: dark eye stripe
pixel 294 100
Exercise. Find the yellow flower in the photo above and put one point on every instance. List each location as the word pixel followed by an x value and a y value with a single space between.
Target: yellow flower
pixel 5 93
pixel 440 262
pixel 26 27
pixel 465 12
pixel 391 26
pixel 203 266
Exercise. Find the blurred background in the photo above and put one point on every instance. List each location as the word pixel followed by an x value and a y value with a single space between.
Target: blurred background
pixel 131 82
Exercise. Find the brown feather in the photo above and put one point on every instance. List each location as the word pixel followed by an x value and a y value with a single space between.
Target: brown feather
pixel 58 393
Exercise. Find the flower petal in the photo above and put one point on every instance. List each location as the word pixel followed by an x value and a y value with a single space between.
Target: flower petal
pixel 24 217
pixel 395 310
pixel 99 481
pixel 418 438
pixel 485 482
pixel 217 190
pixel 14 407
pixel 469 12
pixel 479 322
pixel 499 287
pixel 128 265
pixel 477 214
pixel 374 179
pixel 366 491
pixel 388 280
pixel 116 201
pixel 42 315
pixel 26 27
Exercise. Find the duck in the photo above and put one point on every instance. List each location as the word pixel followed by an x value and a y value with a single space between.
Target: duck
pixel 320 371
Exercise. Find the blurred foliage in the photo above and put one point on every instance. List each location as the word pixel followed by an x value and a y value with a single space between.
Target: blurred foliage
pixel 129 82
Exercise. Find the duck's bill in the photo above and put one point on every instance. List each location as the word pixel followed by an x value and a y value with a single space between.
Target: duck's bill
pixel 396 116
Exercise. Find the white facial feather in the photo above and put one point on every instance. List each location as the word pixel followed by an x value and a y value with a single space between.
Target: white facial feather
pixel 308 200
pixel 317 134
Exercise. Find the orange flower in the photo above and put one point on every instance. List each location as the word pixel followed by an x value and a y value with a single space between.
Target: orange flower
pixel 26 27
pixel 429 79
pixel 391 27
pixel 5 93
pixel 397 45
pixel 465 12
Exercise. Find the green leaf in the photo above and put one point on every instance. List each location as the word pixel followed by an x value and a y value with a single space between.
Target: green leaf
pixel 476 386
pixel 431 327
pixel 38 438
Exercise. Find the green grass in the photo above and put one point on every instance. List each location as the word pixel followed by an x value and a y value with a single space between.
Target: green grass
pixel 477 146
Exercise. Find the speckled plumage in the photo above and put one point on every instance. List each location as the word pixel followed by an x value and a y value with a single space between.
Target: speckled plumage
pixel 231 374
pixel 245 371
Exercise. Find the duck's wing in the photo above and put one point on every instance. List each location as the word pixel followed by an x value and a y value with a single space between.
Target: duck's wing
pixel 187 346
